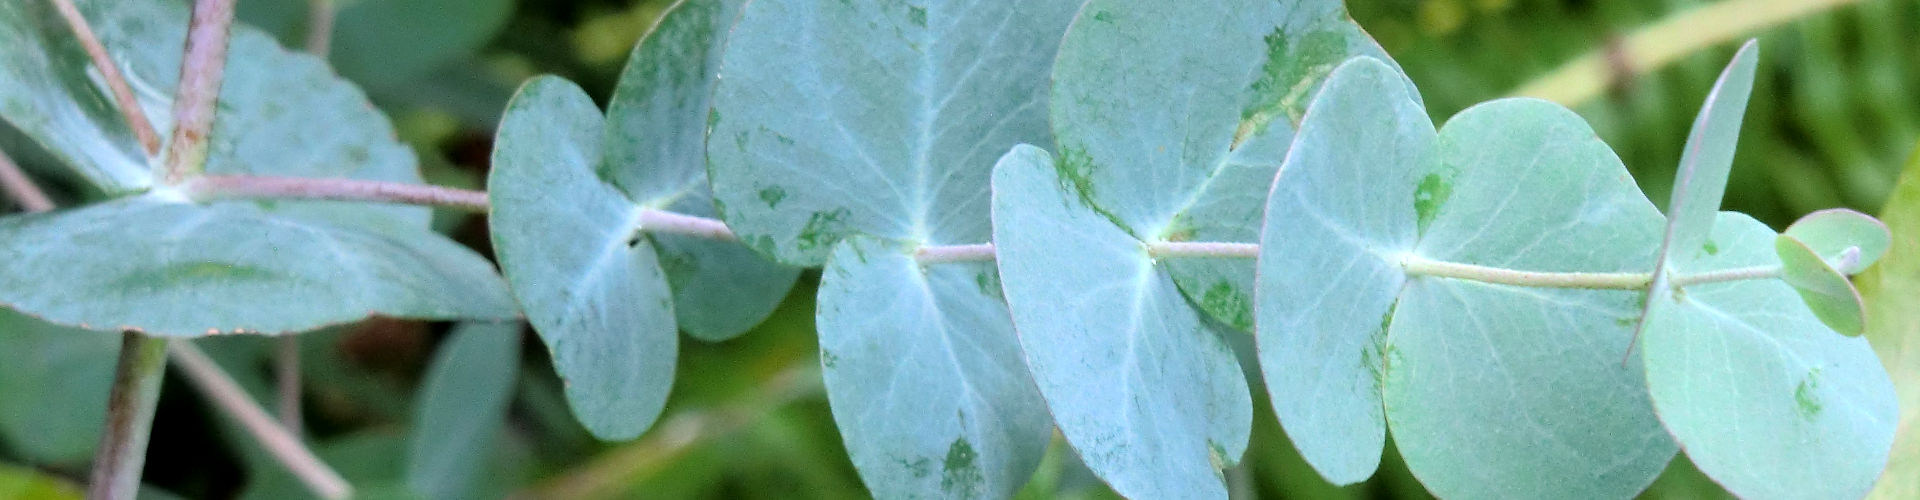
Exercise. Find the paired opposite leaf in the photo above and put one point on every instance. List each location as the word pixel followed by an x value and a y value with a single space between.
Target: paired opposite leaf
pixel 1817 253
pixel 1173 115
pixel 925 375
pixel 1766 399
pixel 1492 391
pixel 1143 387
pixel 173 268
pixel 880 128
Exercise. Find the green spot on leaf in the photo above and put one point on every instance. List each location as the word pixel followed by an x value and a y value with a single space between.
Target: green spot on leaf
pixel 918 15
pixel 822 229
pixel 1222 296
pixel 1806 397
pixel 1431 197
pixel 1710 248
pixel 773 195
pixel 962 475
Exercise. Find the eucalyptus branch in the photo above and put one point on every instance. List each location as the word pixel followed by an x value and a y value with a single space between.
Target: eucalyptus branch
pixel 1203 250
pixel 1657 45
pixel 221 187
pixel 123 444
pixel 320 14
pixel 116 82
pixel 201 72
pixel 665 222
pixel 21 188
pixel 278 441
pixel 940 254
pixel 1601 281
pixel 1724 275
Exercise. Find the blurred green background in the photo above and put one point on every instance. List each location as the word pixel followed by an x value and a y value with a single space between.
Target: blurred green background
pixel 1837 109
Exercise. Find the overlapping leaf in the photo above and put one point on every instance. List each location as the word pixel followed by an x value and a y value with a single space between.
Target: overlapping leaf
pixel 1175 114
pixel 1141 384
pixel 884 125
pixel 1765 398
pixel 162 278
pixel 925 375
pixel 1352 342
pixel 463 406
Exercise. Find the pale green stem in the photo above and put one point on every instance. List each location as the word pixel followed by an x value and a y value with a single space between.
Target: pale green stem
pixel 1605 281
pixel 123 444
pixel 1203 250
pixel 201 71
pixel 21 188
pixel 1657 45
pixel 941 254
pixel 123 96
pixel 1724 275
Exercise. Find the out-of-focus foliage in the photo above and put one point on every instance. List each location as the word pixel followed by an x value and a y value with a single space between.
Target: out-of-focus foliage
pixel 1835 111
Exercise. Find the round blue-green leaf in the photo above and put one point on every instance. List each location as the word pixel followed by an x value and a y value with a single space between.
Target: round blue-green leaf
pixel 925 376
pixel 180 270
pixel 1831 232
pixel 1173 116
pixel 1499 391
pixel 1764 398
pixel 1147 391
pixel 879 118
pixel 1827 292
pixel 569 244
pixel 656 154
pixel 1328 271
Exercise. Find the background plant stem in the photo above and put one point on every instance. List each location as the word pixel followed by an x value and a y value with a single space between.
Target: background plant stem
pixel 282 443
pixel 123 445
pixel 320 15
pixel 116 82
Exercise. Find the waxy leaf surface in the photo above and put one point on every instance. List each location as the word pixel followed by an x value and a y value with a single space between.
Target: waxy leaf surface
pixel 570 244
pixel 655 153
pixel 1173 115
pixel 880 118
pixel 270 101
pixel 462 407
pixel 1827 292
pixel 925 376
pixel 1766 400
pixel 1831 232
pixel 1352 343
pixel 1140 383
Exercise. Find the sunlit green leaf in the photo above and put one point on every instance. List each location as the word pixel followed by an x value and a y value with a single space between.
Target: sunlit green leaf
pixel 885 121
pixel 570 245
pixel 1173 115
pixel 925 375
pixel 656 154
pixel 1893 328
pixel 1765 399
pixel 1143 387
pixel 463 406
pixel 20 483
pixel 1491 391
pixel 1827 292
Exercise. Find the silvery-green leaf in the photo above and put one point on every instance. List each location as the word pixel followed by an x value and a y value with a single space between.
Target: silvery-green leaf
pixel 1145 389
pixel 1176 114
pixel 925 375
pixel 1831 232
pixel 55 380
pixel 655 152
pixel 1827 293
pixel 880 118
pixel 463 406
pixel 1351 343
pixel 180 270
pixel 1328 270
pixel 569 244
pixel 1498 391
pixel 1765 399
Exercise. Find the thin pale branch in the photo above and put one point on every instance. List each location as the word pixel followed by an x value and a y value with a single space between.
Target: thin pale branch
pixel 1657 45
pixel 201 72
pixel 320 14
pixel 21 188
pixel 954 253
pixel 123 96
pixel 661 221
pixel 1203 250
pixel 123 444
pixel 1603 281
pixel 220 187
pixel 225 394
pixel 286 367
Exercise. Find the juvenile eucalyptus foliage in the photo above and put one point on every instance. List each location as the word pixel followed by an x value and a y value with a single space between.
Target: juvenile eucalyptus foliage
pixel 1495 293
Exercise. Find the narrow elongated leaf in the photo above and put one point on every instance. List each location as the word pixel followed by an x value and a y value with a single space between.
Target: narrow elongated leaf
pixel 1708 158
pixel 1351 343
pixel 1827 292
pixel 925 375
pixel 885 122
pixel 1893 327
pixel 1175 114
pixel 463 405
pixel 150 265
pixel 1831 232
pixel 1765 399
pixel 656 154
pixel 55 380
pixel 1142 386
pixel 569 243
